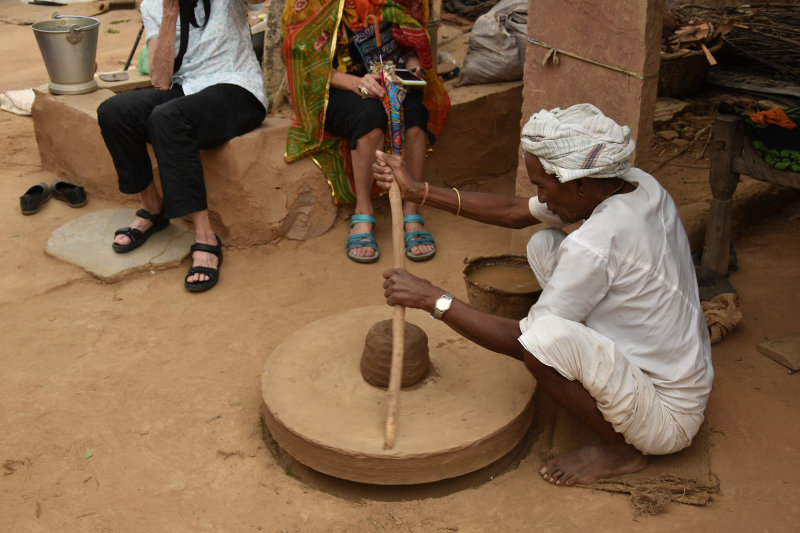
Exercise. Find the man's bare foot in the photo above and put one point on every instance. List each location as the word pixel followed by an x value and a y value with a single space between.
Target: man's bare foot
pixel 594 461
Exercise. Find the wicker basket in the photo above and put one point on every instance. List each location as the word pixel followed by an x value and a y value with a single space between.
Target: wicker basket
pixel 682 73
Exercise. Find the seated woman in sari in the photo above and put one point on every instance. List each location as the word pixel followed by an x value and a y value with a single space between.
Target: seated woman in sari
pixel 343 135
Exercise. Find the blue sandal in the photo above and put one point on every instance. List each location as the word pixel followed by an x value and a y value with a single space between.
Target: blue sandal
pixel 359 240
pixel 415 238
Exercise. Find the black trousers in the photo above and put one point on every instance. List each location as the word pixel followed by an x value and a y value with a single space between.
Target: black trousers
pixel 177 126
pixel 350 116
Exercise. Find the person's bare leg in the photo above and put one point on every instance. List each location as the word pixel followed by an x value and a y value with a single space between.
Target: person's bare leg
pixel 203 233
pixel 151 202
pixel 416 145
pixel 608 456
pixel 362 158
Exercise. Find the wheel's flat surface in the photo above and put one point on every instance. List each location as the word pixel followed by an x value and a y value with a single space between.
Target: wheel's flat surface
pixel 472 409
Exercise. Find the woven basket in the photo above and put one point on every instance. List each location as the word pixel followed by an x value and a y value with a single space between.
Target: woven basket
pixel 682 73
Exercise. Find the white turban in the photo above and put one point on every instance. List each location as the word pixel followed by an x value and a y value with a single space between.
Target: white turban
pixel 578 142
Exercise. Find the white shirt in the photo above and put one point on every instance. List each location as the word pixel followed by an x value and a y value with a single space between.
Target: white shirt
pixel 222 52
pixel 627 273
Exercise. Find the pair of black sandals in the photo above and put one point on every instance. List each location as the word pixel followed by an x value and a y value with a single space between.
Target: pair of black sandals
pixel 159 222
pixel 73 195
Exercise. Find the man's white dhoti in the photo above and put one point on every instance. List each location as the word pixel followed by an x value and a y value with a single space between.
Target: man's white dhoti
pixel 625 395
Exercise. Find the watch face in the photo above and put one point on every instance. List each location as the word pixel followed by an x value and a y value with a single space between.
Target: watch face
pixel 443 303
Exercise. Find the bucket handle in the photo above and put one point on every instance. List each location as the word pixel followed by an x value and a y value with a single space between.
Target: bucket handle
pixel 75 36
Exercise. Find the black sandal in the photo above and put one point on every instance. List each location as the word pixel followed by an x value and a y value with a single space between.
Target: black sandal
pixel 139 237
pixel 212 273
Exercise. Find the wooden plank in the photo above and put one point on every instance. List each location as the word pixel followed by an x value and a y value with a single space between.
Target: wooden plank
pixel 785 351
pixel 726 135
pixel 755 84
pixel 709 55
pixel 717 241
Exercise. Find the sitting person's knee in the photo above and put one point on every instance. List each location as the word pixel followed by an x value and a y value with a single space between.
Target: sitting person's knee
pixel 165 118
pixel 111 112
pixel 371 138
pixel 542 251
pixel 416 132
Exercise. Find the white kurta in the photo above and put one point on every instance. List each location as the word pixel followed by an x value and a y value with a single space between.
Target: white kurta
pixel 221 52
pixel 627 274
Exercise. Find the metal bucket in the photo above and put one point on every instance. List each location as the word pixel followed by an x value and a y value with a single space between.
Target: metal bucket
pixel 69 48
pixel 510 302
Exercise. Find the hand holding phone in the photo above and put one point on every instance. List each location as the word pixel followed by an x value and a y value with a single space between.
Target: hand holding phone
pixel 407 77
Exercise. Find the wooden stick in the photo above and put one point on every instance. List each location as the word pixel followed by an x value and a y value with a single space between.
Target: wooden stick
pixel 398 319
pixel 709 56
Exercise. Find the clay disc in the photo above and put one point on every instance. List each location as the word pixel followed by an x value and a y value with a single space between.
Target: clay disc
pixel 472 409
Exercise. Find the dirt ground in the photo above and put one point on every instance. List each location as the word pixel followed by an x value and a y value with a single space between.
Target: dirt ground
pixel 134 406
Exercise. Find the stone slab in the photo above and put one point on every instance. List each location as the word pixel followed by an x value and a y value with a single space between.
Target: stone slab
pixel 666 110
pixel 785 351
pixel 86 243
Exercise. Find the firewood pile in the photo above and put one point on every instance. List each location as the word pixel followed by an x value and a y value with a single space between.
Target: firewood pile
pixel 687 52
pixel 695 36
pixel 761 39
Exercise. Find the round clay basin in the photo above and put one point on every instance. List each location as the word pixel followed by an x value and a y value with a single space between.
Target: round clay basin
pixel 502 285
pixel 471 410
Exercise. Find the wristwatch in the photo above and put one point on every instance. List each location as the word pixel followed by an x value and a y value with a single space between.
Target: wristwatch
pixel 442 305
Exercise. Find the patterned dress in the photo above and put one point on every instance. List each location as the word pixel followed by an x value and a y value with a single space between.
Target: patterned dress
pixel 311 31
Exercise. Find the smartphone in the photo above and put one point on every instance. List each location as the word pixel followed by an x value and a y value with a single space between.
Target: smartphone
pixel 406 77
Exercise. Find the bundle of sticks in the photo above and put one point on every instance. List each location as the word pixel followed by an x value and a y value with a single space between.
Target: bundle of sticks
pixel 695 36
pixel 765 38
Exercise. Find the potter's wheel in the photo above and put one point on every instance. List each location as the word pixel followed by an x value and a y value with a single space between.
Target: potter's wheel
pixel 472 409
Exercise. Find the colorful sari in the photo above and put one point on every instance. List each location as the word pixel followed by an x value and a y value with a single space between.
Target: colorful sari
pixel 310 34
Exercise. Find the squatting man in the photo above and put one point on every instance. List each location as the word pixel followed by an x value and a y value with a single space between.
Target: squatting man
pixel 618 336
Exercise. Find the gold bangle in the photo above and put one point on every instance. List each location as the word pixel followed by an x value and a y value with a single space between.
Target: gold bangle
pixel 425 196
pixel 458 195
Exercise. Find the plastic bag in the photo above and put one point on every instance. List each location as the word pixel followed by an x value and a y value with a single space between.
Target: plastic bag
pixel 497 45
pixel 142 62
